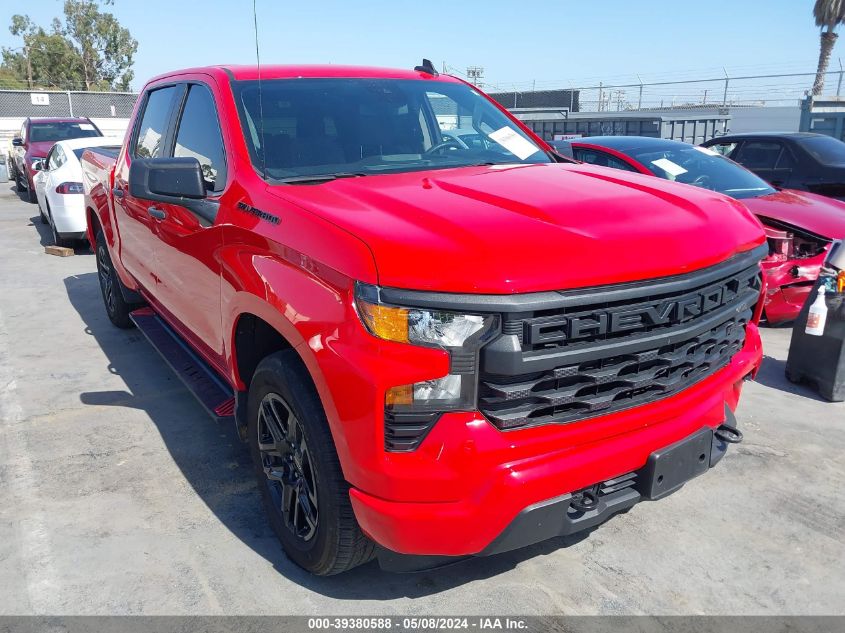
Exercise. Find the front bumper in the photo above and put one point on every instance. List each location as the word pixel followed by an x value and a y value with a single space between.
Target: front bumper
pixel 665 472
pixel 497 475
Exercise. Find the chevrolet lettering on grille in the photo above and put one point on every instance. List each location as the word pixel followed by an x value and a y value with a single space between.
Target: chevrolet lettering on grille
pixel 630 318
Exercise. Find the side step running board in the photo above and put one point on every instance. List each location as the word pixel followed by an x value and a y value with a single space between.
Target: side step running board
pixel 201 380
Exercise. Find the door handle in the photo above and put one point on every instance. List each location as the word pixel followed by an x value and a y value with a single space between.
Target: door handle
pixel 158 214
pixel 117 193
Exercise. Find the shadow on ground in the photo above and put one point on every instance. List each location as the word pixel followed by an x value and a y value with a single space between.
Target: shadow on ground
pixel 772 374
pixel 45 235
pixel 205 458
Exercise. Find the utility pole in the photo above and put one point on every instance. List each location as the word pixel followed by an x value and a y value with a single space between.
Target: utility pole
pixel 475 74
pixel 601 95
pixel 28 66
pixel 640 98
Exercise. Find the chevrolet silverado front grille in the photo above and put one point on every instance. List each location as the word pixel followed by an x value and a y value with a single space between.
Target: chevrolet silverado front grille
pixel 617 347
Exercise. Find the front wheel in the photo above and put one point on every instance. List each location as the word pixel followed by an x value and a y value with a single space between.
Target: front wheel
pixel 116 306
pixel 298 472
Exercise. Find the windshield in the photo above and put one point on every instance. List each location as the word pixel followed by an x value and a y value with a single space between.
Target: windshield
pixel 825 149
pixel 354 126
pixel 701 167
pixel 61 131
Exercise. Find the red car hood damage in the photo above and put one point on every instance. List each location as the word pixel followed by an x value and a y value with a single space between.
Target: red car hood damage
pixel 817 214
pixel 523 228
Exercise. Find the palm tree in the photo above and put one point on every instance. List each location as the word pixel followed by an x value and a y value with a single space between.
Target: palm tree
pixel 829 15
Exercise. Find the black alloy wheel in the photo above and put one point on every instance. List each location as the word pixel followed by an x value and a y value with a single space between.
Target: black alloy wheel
pixel 290 477
pixel 105 274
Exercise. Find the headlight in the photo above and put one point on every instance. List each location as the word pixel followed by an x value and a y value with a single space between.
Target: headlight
pixel 462 335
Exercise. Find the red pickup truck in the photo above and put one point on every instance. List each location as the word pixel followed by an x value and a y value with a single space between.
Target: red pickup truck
pixel 433 349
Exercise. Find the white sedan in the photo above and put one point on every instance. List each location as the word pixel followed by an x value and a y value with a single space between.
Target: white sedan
pixel 58 187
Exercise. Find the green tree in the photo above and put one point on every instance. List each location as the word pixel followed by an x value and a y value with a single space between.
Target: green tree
pixel 829 14
pixel 91 50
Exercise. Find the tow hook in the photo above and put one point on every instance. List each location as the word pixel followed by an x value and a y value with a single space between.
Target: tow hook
pixel 585 501
pixel 728 434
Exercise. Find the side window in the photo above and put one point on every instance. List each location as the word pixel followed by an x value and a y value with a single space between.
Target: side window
pixel 199 136
pixel 58 157
pixel 759 154
pixel 51 158
pixel 151 131
pixel 785 161
pixel 724 149
pixel 594 157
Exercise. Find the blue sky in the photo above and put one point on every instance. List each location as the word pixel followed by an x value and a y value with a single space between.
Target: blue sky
pixel 552 43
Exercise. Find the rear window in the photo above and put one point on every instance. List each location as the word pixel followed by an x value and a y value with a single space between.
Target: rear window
pixel 61 131
pixel 825 149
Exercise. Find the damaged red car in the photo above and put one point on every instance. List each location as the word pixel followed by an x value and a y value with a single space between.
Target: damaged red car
pixel 800 226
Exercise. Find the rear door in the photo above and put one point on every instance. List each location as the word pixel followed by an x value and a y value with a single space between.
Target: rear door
pixel 187 264
pixel 137 226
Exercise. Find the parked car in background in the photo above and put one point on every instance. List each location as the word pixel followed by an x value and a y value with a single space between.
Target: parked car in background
pixel 58 186
pixel 36 137
pixel 800 226
pixel 794 160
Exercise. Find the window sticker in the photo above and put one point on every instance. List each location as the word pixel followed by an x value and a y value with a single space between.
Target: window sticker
pixel 511 140
pixel 86 126
pixel 673 169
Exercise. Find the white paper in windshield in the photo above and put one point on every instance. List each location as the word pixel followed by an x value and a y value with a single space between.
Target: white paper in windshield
pixel 511 140
pixel 673 169
pixel 86 126
pixel 706 150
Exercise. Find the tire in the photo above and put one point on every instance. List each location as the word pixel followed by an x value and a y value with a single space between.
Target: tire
pixel 110 285
pixel 58 240
pixel 19 183
pixel 41 213
pixel 30 194
pixel 318 531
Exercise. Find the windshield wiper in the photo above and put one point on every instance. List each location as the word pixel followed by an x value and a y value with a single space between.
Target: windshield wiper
pixel 318 178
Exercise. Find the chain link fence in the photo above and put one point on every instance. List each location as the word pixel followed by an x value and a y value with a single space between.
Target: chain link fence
pixel 783 89
pixel 49 103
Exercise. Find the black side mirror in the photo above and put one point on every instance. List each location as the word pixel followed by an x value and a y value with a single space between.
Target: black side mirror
pixel 17 141
pixel 174 181
pixel 38 165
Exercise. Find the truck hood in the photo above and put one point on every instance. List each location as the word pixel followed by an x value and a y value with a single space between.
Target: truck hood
pixel 523 228
pixel 817 214
pixel 40 148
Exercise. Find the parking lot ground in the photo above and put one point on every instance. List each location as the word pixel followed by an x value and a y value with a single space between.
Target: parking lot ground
pixel 119 496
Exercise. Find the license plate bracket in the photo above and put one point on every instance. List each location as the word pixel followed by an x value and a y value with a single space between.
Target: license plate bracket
pixel 671 467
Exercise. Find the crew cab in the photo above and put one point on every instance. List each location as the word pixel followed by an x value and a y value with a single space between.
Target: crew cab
pixel 37 136
pixel 432 349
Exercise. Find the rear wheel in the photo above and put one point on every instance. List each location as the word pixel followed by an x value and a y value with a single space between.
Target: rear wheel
pixel 19 186
pixel 58 240
pixel 298 472
pixel 116 306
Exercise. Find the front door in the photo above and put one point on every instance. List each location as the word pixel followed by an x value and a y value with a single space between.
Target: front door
pixel 187 265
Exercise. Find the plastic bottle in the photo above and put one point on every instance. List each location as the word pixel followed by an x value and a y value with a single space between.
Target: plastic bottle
pixel 817 316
